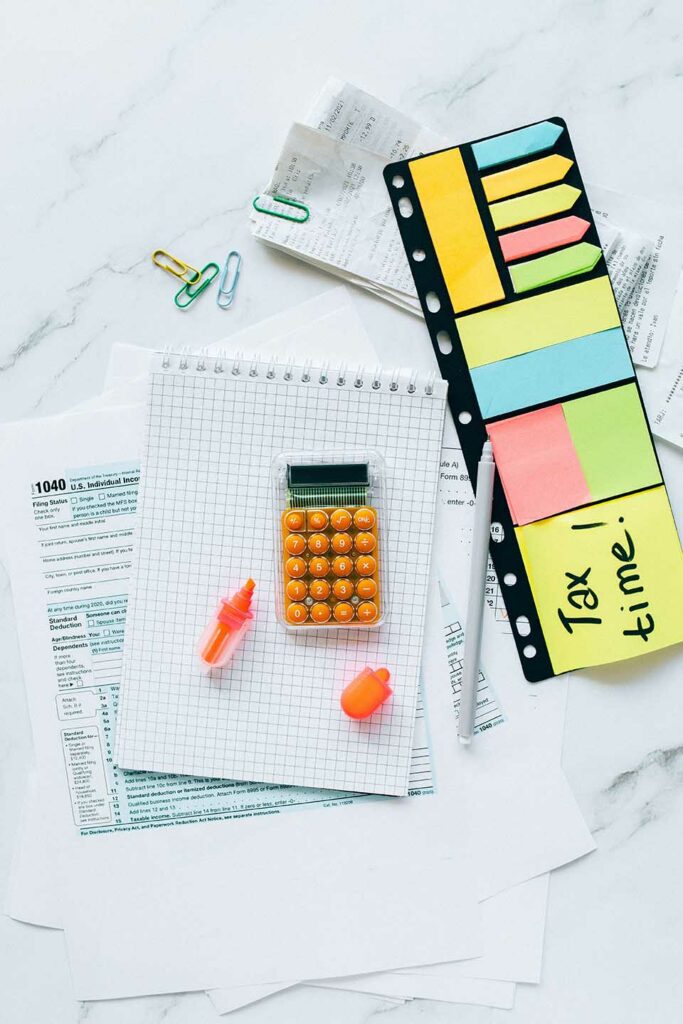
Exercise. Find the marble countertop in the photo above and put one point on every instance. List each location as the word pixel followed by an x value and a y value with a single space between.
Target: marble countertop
pixel 137 126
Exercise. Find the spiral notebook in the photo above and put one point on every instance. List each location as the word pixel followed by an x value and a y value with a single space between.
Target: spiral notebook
pixel 214 426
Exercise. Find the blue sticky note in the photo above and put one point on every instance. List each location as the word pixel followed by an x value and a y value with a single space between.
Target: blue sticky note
pixel 515 145
pixel 551 373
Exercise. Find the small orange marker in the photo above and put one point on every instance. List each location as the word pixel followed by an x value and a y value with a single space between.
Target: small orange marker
pixel 226 629
pixel 366 692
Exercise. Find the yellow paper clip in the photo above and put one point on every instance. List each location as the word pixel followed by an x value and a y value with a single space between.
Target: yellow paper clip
pixel 228 286
pixel 172 265
pixel 285 202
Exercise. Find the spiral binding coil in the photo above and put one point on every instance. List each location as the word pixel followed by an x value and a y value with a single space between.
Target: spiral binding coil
pixel 238 364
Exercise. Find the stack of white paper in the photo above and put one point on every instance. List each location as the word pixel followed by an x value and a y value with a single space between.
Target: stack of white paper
pixel 497 822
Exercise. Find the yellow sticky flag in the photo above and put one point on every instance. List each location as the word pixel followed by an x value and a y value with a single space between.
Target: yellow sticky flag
pixel 455 226
pixel 533 206
pixel 526 176
pixel 607 580
pixel 529 324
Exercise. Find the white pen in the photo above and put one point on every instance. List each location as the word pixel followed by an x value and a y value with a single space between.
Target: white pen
pixel 486 472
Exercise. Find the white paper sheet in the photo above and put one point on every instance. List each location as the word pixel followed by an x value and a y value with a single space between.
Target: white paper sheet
pixel 663 386
pixel 352 230
pixel 498 994
pixel 265 718
pixel 647 311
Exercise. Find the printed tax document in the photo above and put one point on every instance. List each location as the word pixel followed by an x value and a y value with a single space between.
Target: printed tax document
pixel 185 809
pixel 417 906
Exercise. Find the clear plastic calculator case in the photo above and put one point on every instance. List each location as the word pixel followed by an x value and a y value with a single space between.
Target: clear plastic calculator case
pixel 330 523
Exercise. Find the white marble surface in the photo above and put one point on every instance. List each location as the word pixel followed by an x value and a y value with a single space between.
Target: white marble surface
pixel 129 126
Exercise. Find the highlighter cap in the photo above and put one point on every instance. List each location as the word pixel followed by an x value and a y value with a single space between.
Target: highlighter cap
pixel 366 692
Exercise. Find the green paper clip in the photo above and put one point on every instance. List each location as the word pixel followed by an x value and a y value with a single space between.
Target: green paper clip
pixel 285 202
pixel 193 291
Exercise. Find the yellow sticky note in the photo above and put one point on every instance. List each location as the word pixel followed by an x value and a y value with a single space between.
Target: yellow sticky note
pixel 456 230
pixel 607 580
pixel 533 206
pixel 542 320
pixel 526 176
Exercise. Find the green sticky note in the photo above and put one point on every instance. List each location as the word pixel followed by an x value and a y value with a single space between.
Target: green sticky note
pixel 575 259
pixel 612 441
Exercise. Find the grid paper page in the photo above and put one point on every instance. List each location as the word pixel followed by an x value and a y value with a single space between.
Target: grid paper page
pixel 205 524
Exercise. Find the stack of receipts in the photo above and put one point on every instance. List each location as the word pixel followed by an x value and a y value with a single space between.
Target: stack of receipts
pixel 333 163
pixel 440 894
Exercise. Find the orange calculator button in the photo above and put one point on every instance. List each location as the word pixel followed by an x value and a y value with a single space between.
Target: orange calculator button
pixel 317 520
pixel 319 590
pixel 295 567
pixel 320 612
pixel 343 612
pixel 295 544
pixel 366 588
pixel 366 611
pixel 364 518
pixel 296 590
pixel 340 519
pixel 318 566
pixel 295 520
pixel 365 542
pixel 343 589
pixel 366 565
pixel 342 566
pixel 318 543
pixel 342 543
pixel 297 613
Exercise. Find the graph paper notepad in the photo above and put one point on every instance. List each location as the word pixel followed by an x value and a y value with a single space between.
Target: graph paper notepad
pixel 272 715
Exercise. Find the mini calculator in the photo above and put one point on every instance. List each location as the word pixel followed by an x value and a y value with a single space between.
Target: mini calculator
pixel 330 548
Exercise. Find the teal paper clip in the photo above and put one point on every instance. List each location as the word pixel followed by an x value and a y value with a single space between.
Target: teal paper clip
pixel 193 291
pixel 285 202
pixel 228 286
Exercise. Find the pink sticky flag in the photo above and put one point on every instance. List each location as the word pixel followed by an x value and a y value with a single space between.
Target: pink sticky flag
pixel 538 465
pixel 517 244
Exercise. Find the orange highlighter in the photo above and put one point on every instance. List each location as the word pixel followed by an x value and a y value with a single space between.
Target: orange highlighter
pixel 226 629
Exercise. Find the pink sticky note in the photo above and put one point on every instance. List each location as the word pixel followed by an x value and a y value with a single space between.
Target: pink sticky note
pixel 517 244
pixel 538 464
